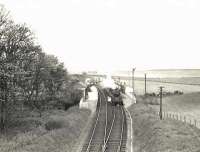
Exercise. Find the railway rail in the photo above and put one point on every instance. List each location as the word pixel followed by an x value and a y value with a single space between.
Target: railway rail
pixel 109 129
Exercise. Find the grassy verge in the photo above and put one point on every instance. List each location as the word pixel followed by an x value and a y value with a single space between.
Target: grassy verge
pixel 187 104
pixel 55 131
pixel 153 135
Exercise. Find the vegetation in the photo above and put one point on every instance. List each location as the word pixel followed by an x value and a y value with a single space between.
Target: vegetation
pixel 64 128
pixel 186 105
pixel 29 78
pixel 153 86
pixel 152 134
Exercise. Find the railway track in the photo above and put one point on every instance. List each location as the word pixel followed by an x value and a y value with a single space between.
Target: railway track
pixel 109 130
pixel 116 141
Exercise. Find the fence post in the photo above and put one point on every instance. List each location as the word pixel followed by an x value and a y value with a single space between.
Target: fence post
pixel 163 115
pixel 161 88
pixel 181 118
pixel 145 84
pixel 195 122
pixel 133 85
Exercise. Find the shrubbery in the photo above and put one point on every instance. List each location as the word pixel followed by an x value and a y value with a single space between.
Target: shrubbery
pixel 54 124
pixel 165 93
pixel 153 98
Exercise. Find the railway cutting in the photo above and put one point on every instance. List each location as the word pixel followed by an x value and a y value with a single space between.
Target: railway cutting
pixel 109 128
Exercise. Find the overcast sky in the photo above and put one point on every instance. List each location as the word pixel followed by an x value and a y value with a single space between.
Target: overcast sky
pixel 115 34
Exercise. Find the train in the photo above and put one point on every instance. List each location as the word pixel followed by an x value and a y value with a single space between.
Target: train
pixel 114 95
pixel 116 98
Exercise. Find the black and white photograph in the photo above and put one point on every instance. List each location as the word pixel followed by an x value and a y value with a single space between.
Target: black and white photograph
pixel 99 76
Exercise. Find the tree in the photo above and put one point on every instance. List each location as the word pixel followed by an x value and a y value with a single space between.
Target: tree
pixel 15 40
pixel 28 77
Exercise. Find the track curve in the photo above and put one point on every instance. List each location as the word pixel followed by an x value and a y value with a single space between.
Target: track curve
pixel 109 129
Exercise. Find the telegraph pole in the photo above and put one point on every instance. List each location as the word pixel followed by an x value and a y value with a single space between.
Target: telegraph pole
pixel 133 71
pixel 160 113
pixel 145 84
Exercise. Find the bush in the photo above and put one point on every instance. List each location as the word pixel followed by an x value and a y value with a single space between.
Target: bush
pixel 177 92
pixel 54 124
pixel 76 96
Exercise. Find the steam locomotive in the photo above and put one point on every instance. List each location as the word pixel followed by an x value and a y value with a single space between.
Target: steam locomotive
pixel 116 98
pixel 115 95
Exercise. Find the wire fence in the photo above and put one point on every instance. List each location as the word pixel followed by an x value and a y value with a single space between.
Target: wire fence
pixel 180 117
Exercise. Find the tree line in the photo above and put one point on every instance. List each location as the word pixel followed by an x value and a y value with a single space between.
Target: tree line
pixel 28 76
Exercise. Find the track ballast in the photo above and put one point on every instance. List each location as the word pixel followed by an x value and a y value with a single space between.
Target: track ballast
pixel 109 128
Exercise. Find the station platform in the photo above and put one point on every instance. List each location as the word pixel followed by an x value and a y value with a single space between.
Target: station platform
pixel 91 102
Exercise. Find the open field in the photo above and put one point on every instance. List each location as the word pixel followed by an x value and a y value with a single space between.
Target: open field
pixel 182 80
pixel 154 135
pixel 186 80
pixel 154 87
pixel 186 104
pixel 56 131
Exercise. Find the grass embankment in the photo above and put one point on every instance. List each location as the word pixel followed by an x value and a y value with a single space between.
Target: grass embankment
pixel 154 135
pixel 187 104
pixel 56 131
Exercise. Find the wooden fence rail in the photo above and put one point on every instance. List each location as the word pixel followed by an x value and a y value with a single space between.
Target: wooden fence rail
pixel 180 117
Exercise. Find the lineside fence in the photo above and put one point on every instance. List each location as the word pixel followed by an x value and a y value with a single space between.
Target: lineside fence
pixel 180 117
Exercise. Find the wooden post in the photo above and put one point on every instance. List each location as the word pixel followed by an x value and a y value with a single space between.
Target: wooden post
pixel 184 119
pixel 161 89
pixel 195 122
pixel 145 84
pixel 133 71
